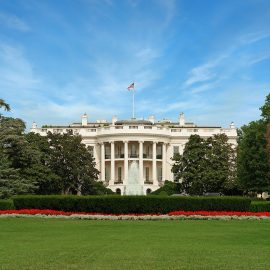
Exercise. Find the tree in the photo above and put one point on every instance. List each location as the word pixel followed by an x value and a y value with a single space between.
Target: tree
pixel 4 105
pixel 47 181
pixel 265 110
pixel 72 162
pixel 11 144
pixel 10 181
pixel 220 173
pixel 189 167
pixel 206 165
pixel 253 157
pixel 26 158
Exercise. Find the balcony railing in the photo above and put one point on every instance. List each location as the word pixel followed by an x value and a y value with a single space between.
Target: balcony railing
pixel 148 182
pixel 146 156
pixel 118 182
pixel 119 155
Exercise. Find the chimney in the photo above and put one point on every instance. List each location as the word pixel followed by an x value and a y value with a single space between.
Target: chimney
pixel 181 119
pixel 232 125
pixel 151 118
pixel 84 120
pixel 34 125
pixel 114 119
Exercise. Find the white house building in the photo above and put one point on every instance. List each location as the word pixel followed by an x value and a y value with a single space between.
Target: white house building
pixel 135 156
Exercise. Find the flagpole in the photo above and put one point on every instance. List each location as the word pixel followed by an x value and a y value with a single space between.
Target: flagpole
pixel 133 115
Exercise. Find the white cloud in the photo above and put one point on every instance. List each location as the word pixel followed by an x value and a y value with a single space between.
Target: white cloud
pixel 205 72
pixel 254 37
pixel 259 58
pixel 15 69
pixel 204 87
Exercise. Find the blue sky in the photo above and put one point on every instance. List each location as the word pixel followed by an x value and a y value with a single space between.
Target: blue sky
pixel 208 59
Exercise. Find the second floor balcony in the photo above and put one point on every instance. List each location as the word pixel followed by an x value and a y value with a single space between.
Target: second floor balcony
pixel 132 155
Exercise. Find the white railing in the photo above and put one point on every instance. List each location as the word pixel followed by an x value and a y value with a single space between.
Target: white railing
pixel 164 131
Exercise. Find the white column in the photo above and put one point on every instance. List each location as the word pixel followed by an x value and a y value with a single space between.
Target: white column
pixel 112 164
pixel 164 159
pixel 141 161
pixel 102 162
pixel 154 166
pixel 125 162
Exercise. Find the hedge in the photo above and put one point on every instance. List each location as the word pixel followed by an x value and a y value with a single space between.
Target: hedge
pixel 6 205
pixel 260 206
pixel 112 204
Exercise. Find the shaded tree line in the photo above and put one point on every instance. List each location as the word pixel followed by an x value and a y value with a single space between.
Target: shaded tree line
pixel 52 164
pixel 214 165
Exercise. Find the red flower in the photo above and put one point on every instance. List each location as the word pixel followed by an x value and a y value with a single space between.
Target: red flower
pixel 174 213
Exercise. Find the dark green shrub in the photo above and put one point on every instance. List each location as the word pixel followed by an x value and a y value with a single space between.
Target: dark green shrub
pixel 260 206
pixel 169 188
pixel 114 204
pixel 6 205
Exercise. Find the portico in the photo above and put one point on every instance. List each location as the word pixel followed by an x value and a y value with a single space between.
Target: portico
pixel 116 157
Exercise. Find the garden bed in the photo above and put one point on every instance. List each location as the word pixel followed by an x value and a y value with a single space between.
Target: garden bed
pixel 176 215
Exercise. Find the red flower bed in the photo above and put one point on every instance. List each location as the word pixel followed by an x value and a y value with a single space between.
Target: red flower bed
pixel 175 213
pixel 56 212
pixel 217 213
pixel 43 212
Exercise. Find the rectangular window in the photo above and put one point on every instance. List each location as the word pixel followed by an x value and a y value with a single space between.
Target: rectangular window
pixel 147 174
pixel 119 178
pixel 147 127
pixel 107 152
pixel 119 153
pixel 133 127
pixel 159 152
pixel 107 173
pixel 159 172
pixel 133 151
pixel 176 150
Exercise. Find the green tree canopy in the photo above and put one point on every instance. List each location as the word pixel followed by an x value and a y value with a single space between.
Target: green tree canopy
pixel 15 157
pixel 253 167
pixel 253 157
pixel 265 109
pixel 206 165
pixel 4 105
pixel 72 162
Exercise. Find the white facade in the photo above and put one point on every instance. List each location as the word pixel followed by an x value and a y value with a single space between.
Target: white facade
pixel 147 144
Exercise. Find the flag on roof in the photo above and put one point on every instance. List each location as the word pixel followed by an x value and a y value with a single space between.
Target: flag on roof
pixel 132 86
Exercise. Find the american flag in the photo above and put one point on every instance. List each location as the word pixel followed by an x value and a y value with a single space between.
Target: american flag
pixel 132 86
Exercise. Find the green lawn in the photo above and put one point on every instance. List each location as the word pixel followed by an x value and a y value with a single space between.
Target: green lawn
pixel 33 243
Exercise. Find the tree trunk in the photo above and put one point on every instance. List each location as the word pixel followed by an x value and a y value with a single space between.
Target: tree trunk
pixel 65 191
pixel 79 190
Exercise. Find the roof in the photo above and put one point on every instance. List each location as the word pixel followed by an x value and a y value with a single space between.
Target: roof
pixel 133 122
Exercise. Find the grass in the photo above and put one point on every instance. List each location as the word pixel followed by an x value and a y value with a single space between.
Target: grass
pixel 34 243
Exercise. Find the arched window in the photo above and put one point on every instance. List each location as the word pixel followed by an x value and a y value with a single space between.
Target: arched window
pixel 148 191
pixel 118 191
